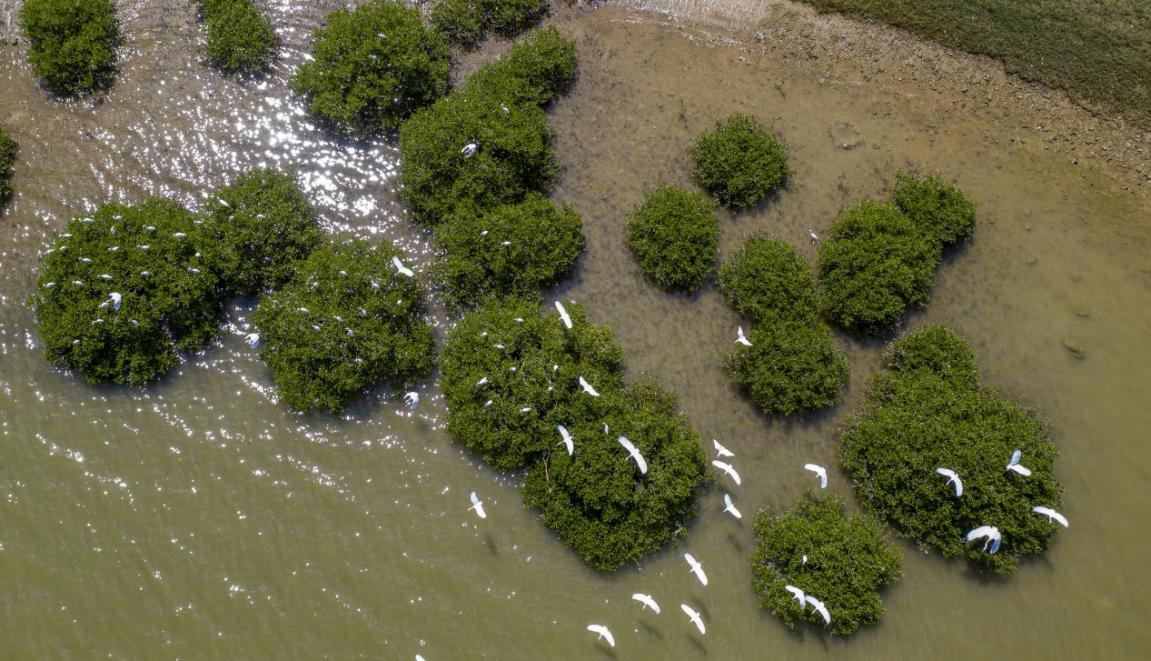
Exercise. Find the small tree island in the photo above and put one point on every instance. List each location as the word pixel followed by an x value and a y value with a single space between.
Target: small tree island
pixel 72 44
pixel 739 162
pixel 674 235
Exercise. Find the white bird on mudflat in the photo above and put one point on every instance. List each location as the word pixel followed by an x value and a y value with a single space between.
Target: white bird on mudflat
pixel 253 340
pixel 990 532
pixel 478 506
pixel 1051 514
pixel 587 387
pixel 564 316
pixel 412 399
pixel 696 567
pixel 798 594
pixel 721 451
pixel 469 149
pixel 603 633
pixel 820 472
pixel 730 507
pixel 633 452
pixel 693 614
pixel 952 478
pixel 741 338
pixel 728 470
pixel 567 439
pixel 813 235
pixel 819 608
pixel 647 600
pixel 400 268
pixel 1017 467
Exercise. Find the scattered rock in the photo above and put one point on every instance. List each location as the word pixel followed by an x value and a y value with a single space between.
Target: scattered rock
pixel 1073 346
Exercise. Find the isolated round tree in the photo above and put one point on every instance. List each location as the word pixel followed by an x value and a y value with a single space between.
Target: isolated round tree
pixel 740 162
pixel 72 43
pixel 674 235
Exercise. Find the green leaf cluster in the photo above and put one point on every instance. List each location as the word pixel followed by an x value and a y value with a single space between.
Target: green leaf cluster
pixel 344 322
pixel 465 22
pixel 929 411
pixel 372 68
pixel 674 235
pixel 240 38
pixel 740 162
pixel 157 258
pixel 8 150
pixel 938 208
pixel 72 43
pixel 848 560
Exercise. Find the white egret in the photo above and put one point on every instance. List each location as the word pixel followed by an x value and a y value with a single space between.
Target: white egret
pixel 728 470
pixel 1017 467
pixel 400 268
pixel 469 149
pixel 179 235
pixel 49 285
pixel 820 472
pixel 647 601
pixel 798 594
pixel 564 316
pixel 106 277
pixel 587 387
pixel 730 507
pixel 526 409
pixel 85 261
pixel 603 633
pixel 952 478
pixel 990 532
pixel 813 235
pixel 820 608
pixel 478 506
pixel 567 439
pixel 253 340
pixel 696 567
pixel 741 338
pixel 721 451
pixel 633 452
pixel 1051 514
pixel 114 300
pixel 695 618
pixel 145 274
pixel 412 399
pixel 482 382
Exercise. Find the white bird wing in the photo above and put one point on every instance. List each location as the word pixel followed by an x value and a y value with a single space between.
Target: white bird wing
pixel 952 477
pixel 798 594
pixel 981 531
pixel 587 387
pixel 564 316
pixel 646 600
pixel 634 452
pixel 1050 514
pixel 694 616
pixel 603 633
pixel 400 266
pixel 1020 469
pixel 1015 457
pixel 696 567
pixel 567 439
pixel 731 506
pixel 741 338
pixel 819 471
pixel 720 450
pixel 820 608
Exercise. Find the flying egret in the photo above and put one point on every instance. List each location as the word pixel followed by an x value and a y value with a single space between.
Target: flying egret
pixel 633 452
pixel 1051 514
pixel 696 567
pixel 403 270
pixel 990 532
pixel 819 608
pixel 253 340
pixel 412 399
pixel 1017 467
pixel 567 442
pixel 730 507
pixel 603 633
pixel 647 601
pixel 741 338
pixel 695 618
pixel 721 451
pixel 952 478
pixel 564 316
pixel 587 387
pixel 820 472
pixel 813 235
pixel 728 470
pixel 798 594
pixel 469 149
pixel 478 506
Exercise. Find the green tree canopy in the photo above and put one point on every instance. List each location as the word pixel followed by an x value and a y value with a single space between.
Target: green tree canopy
pixel 72 43
pixel 790 367
pixel 938 208
pixel 674 235
pixel 768 280
pixel 465 22
pixel 740 162
pixel 8 150
pixel 240 38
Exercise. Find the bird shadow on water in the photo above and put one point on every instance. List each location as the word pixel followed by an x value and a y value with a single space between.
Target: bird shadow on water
pixel 652 632
pixel 490 543
pixel 697 643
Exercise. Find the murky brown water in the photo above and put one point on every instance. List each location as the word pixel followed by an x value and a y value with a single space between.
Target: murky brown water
pixel 199 519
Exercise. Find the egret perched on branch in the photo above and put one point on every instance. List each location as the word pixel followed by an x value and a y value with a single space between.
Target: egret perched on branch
pixel 478 506
pixel 952 478
pixel 482 382
pixel 721 451
pixel 695 618
pixel 587 387
pixel 820 472
pixel 567 439
pixel 1051 514
pixel 633 452
pixel 727 469
pixel 741 338
pixel 114 300
pixel 730 507
pixel 647 601
pixel 564 316
pixel 469 149
pixel 990 532
pixel 696 567
pixel 1017 467
pixel 819 608
pixel 798 594
pixel 603 633
pixel 400 268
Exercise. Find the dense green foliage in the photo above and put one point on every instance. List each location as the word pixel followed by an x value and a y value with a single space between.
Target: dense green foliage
pixel 848 561
pixel 597 501
pixel 466 21
pixel 876 265
pixel 674 235
pixel 929 411
pixel 790 367
pixel 768 280
pixel 1095 49
pixel 739 162
pixel 72 43
pixel 498 113
pixel 346 321
pixel 157 259
pixel 263 225
pixel 374 66
pixel 240 38
pixel 8 150
pixel 509 251
pixel 939 209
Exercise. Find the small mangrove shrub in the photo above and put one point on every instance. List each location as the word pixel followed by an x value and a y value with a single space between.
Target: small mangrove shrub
pixel 790 367
pixel 740 162
pixel 465 22
pixel 72 43
pixel 124 289
pixel 768 281
pixel 674 235
pixel 346 321
pixel 841 559
pixel 240 38
pixel 8 150
pixel 928 411
pixel 937 208
pixel 537 70
pixel 373 67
